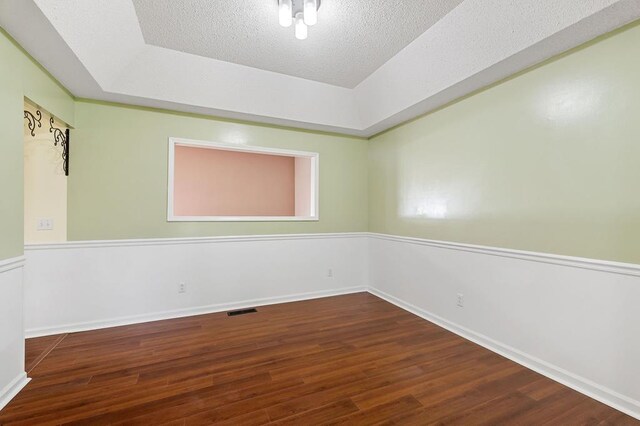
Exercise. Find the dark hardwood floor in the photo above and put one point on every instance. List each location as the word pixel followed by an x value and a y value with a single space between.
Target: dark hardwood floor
pixel 352 359
pixel 37 349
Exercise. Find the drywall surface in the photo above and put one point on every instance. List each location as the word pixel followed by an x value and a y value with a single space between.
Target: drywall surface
pixel 20 76
pixel 118 181
pixel 216 182
pixel 11 103
pixel 546 161
pixel 45 185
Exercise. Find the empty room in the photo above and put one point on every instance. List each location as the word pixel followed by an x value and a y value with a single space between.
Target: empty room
pixel 314 212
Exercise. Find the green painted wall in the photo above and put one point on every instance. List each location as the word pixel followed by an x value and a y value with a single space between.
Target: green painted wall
pixel 118 180
pixel 45 91
pixel 10 152
pixel 20 76
pixel 547 161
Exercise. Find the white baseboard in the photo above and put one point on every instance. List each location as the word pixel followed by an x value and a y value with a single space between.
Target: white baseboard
pixel 12 389
pixel 179 313
pixel 580 384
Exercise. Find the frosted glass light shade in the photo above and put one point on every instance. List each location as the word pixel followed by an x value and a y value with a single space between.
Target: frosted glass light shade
pixel 310 12
pixel 285 13
pixel 301 28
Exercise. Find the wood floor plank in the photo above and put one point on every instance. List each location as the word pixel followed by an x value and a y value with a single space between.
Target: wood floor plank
pixel 352 359
pixel 322 414
pixel 380 413
pixel 39 347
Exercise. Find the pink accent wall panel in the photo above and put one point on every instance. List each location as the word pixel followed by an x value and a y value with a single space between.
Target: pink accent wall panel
pixel 214 182
pixel 303 186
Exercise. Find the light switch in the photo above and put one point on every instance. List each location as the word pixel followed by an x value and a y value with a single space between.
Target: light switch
pixel 45 224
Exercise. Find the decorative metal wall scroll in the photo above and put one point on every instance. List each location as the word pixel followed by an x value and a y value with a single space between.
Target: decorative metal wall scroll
pixel 59 136
pixel 32 121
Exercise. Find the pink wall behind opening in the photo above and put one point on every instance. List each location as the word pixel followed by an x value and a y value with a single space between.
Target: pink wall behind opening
pixel 303 186
pixel 214 182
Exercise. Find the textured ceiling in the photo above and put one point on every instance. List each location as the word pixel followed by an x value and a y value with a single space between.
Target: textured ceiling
pixel 97 50
pixel 350 41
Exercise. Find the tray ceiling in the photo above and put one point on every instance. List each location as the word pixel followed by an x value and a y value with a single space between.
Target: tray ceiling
pixel 365 67
pixel 350 41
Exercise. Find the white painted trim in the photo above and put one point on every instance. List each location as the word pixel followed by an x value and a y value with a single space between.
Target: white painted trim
pixel 242 148
pixel 571 261
pixel 315 187
pixel 136 319
pixel 12 389
pixel 580 384
pixel 190 240
pixel 11 263
pixel 315 169
pixel 242 218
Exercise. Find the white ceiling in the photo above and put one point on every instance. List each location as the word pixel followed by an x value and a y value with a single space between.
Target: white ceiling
pixel 97 49
pixel 351 40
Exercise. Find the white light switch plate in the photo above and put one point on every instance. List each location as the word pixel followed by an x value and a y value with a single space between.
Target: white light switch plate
pixel 45 224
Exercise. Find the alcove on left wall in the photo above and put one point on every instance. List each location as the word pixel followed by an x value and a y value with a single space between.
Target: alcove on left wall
pixel 45 183
pixel 20 77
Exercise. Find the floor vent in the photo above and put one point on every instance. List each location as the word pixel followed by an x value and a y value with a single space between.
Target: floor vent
pixel 241 312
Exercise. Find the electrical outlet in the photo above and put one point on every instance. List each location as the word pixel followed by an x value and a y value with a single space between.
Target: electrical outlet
pixel 460 300
pixel 329 273
pixel 45 224
pixel 182 288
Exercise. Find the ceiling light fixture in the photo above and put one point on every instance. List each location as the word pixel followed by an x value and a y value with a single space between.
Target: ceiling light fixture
pixel 301 28
pixel 303 13
pixel 285 13
pixel 310 12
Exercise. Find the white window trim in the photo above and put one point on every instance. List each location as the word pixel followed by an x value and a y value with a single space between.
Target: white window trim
pixel 315 182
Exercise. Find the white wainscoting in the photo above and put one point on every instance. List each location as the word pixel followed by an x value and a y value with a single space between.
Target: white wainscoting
pixel 574 320
pixel 12 375
pixel 87 285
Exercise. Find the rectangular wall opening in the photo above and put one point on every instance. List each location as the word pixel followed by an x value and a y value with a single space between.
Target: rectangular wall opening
pixel 45 183
pixel 210 181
